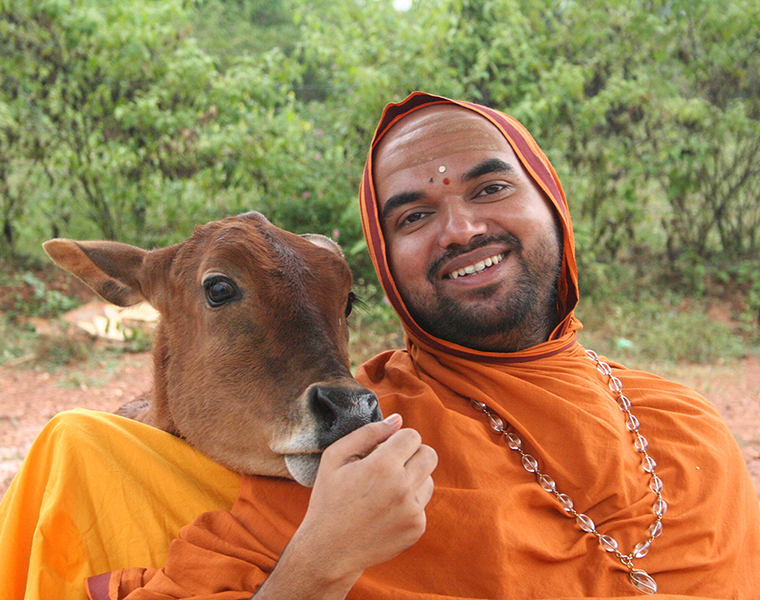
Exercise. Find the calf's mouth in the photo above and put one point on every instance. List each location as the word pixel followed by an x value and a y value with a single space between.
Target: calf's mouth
pixel 303 467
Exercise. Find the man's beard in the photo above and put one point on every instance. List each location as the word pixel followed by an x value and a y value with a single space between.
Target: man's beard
pixel 525 317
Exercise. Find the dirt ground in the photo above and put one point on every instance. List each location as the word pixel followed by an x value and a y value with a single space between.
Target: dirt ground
pixel 29 398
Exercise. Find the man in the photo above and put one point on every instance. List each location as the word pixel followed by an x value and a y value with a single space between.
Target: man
pixel 558 476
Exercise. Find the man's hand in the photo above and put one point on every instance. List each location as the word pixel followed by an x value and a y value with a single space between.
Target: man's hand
pixel 367 506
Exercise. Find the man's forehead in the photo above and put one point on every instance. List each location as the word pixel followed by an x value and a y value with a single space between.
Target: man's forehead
pixel 418 136
pixel 434 133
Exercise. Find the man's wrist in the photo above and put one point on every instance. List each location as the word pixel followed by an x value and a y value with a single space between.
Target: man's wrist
pixel 301 574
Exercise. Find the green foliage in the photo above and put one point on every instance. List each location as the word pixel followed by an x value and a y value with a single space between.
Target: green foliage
pixel 137 120
pixel 227 29
pixel 644 323
pixel 125 129
pixel 51 352
pixel 373 324
pixel 39 301
pixel 15 340
pixel 653 332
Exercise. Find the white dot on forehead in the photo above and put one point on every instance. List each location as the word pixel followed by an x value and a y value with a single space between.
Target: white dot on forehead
pixel 441 169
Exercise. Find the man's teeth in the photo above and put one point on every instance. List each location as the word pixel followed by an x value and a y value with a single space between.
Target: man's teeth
pixel 477 267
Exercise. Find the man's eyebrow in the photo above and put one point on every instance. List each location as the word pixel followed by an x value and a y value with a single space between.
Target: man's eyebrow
pixel 492 165
pixel 398 200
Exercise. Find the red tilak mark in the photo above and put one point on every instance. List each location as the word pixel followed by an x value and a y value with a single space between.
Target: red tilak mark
pixel 446 181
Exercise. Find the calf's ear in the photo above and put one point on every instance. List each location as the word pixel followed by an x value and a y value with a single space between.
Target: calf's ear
pixel 112 269
pixel 323 242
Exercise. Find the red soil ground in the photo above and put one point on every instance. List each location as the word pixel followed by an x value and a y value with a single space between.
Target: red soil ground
pixel 29 398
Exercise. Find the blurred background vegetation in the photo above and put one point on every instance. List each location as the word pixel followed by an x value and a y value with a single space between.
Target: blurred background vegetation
pixel 136 120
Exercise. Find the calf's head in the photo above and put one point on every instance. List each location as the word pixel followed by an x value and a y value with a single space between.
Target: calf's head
pixel 251 352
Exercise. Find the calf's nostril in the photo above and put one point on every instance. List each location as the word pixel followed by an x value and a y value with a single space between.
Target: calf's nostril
pixel 322 407
pixel 370 407
pixel 339 410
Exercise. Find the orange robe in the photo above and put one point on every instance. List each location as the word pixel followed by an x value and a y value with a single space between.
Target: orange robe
pixel 492 531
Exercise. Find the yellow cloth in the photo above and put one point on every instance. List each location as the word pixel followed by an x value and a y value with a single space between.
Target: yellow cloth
pixel 96 493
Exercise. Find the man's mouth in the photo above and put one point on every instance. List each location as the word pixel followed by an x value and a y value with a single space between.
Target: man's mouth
pixel 477 267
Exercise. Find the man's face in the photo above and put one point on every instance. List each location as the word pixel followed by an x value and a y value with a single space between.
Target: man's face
pixel 474 245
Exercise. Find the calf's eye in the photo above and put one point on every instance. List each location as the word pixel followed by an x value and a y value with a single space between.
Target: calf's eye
pixel 219 290
pixel 350 303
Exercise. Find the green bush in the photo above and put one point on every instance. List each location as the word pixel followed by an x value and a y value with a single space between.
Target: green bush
pixel 37 300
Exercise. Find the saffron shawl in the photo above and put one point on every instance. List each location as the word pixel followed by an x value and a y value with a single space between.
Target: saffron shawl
pixel 492 531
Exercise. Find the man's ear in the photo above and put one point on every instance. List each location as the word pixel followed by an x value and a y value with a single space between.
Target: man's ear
pixel 112 269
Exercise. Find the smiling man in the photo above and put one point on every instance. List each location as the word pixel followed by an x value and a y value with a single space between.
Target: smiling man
pixel 559 475
pixel 473 244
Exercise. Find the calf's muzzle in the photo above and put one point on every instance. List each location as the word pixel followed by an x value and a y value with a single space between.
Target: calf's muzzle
pixel 339 410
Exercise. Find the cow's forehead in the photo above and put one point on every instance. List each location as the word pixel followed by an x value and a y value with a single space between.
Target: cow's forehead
pixel 258 246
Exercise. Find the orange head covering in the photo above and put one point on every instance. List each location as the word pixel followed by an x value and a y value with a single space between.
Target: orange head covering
pixel 536 165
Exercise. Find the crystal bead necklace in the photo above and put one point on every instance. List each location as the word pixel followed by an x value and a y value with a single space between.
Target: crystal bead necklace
pixel 640 579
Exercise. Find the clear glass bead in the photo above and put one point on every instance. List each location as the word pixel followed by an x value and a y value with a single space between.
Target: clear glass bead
pixel 585 523
pixel 660 507
pixel 643 582
pixel 642 445
pixel 632 423
pixel 656 484
pixel 655 529
pixel 648 464
pixel 496 422
pixel 616 385
pixel 608 543
pixel 513 441
pixel 547 483
pixel 530 463
pixel 624 403
pixel 604 368
pixel 641 549
pixel 479 406
pixel 566 502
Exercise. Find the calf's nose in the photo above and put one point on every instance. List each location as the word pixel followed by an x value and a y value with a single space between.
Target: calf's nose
pixel 340 410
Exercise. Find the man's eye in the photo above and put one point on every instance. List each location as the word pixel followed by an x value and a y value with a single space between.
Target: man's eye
pixel 413 218
pixel 494 188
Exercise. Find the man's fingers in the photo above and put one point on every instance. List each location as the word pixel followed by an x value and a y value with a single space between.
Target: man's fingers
pixel 421 464
pixel 361 442
pixel 425 491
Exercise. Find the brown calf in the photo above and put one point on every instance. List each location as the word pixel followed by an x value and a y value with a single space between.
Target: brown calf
pixel 251 352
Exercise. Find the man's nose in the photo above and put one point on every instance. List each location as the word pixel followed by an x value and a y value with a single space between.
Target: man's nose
pixel 460 224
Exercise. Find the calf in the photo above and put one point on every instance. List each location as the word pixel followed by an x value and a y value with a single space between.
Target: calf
pixel 250 355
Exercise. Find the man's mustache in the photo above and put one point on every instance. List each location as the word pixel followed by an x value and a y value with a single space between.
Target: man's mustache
pixel 506 238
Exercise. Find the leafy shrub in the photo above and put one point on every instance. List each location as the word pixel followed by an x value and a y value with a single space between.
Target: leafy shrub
pixel 38 300
pixel 652 331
